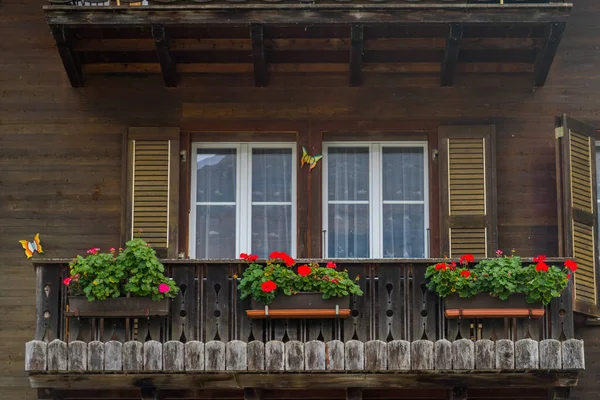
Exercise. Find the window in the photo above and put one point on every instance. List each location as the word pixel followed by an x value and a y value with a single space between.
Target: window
pixel 375 198
pixel 243 199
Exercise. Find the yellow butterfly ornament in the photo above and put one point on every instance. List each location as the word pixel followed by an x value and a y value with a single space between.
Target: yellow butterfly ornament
pixel 32 247
pixel 308 159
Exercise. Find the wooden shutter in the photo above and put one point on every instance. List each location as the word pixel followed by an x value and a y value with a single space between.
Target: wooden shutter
pixel 153 188
pixel 468 190
pixel 577 210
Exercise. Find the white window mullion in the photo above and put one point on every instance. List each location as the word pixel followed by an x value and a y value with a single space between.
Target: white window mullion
pixel 376 194
pixel 244 193
pixel 325 205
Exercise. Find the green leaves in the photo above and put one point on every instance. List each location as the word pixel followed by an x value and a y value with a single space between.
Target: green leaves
pixel 328 281
pixel 500 277
pixel 136 270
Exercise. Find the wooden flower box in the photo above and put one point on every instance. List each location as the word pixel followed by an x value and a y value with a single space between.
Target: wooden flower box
pixel 302 305
pixel 130 307
pixel 486 306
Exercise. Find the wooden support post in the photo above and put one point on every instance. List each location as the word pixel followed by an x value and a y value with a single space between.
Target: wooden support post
pixel 167 65
pixel 253 394
pixel 356 53
pixel 68 56
pixel 554 32
pixel 354 393
pixel 559 393
pixel 451 54
pixel 457 393
pixel 258 54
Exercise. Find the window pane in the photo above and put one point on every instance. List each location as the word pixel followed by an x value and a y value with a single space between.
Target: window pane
pixel 348 173
pixel 403 172
pixel 216 178
pixel 271 229
pixel 348 231
pixel 215 232
pixel 272 175
pixel 403 231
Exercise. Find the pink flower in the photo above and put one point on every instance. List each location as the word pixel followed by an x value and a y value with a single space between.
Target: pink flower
pixel 163 288
pixel 499 253
pixel 67 281
pixel 331 265
pixel 93 250
pixel 112 249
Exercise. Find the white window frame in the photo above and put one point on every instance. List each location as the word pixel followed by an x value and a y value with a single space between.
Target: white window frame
pixel 243 240
pixel 376 192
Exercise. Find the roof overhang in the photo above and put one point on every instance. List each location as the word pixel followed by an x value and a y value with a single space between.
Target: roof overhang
pixel 454 24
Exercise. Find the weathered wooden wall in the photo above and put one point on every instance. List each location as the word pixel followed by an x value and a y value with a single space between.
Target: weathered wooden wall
pixel 60 148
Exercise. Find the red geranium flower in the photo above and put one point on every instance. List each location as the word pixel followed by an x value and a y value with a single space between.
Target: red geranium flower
pixel 67 281
pixel 571 265
pixel 268 286
pixel 540 258
pixel 452 266
pixel 304 270
pixel 467 258
pixel 568 276
pixel 441 266
pixel 331 265
pixel 280 255
pixel 541 266
pixel 465 273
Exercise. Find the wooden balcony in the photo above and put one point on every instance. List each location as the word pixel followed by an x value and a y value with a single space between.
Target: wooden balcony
pixel 396 327
pixel 264 38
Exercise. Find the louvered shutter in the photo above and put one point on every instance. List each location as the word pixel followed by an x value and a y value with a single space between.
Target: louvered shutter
pixel 153 187
pixel 576 184
pixel 468 190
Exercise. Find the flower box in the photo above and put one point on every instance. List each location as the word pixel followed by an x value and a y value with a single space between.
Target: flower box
pixel 129 307
pixel 486 306
pixel 302 305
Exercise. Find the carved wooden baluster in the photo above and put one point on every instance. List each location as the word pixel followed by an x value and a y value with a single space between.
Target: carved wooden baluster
pixel 184 306
pixel 358 325
pixel 217 296
pixel 390 307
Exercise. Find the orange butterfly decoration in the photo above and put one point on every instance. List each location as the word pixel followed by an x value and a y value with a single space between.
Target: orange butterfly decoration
pixel 32 247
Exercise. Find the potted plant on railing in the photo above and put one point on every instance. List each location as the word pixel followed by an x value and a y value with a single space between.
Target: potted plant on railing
pixel 498 287
pixel 127 282
pixel 280 289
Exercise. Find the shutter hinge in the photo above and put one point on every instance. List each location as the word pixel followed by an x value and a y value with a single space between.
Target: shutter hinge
pixel 559 132
pixel 183 156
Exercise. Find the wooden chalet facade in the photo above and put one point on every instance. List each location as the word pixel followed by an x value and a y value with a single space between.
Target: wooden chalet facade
pixel 446 127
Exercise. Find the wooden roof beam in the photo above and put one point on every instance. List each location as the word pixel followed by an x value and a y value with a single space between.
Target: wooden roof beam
pixel 451 54
pixel 356 52
pixel 167 64
pixel 69 58
pixel 330 14
pixel 258 54
pixel 543 62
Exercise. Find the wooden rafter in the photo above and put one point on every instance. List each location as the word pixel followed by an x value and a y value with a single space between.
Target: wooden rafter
pixel 167 65
pixel 451 54
pixel 354 394
pixel 457 393
pixel 68 56
pixel 356 53
pixel 560 393
pixel 253 394
pixel 554 32
pixel 258 54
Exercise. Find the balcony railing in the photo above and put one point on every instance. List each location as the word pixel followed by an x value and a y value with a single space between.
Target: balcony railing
pixel 395 306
